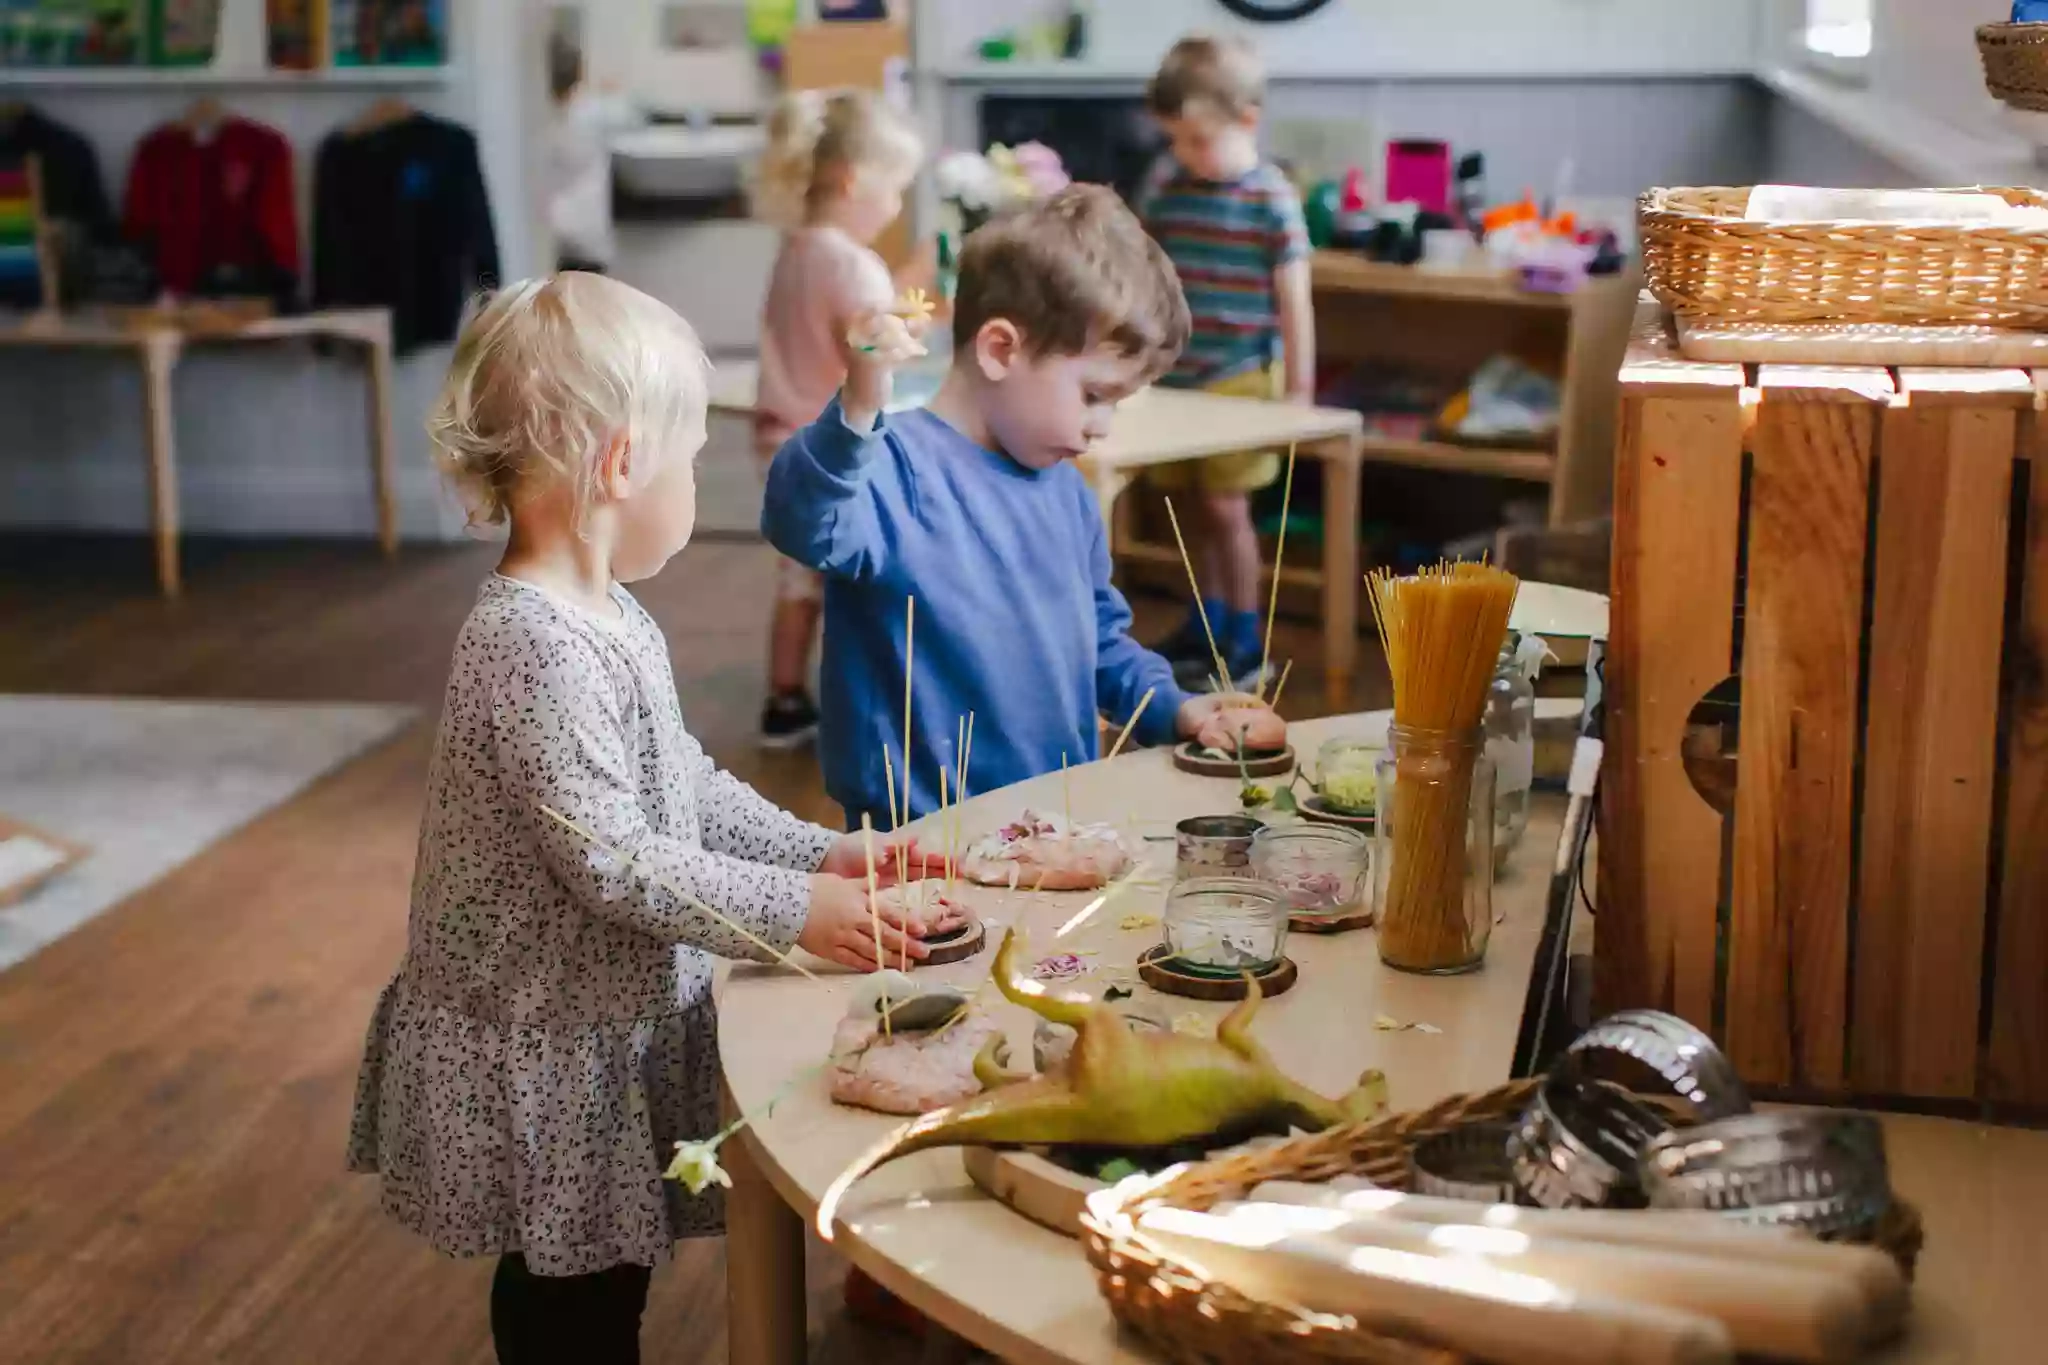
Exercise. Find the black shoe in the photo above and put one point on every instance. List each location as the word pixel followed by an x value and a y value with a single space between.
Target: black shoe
pixel 789 720
pixel 1246 675
pixel 1188 645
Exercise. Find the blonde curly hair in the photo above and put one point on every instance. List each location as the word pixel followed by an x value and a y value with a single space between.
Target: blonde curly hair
pixel 547 373
pixel 817 138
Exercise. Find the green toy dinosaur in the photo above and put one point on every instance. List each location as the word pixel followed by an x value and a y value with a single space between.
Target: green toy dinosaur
pixel 1119 1089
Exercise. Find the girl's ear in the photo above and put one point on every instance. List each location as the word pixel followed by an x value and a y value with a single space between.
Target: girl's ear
pixel 998 347
pixel 615 468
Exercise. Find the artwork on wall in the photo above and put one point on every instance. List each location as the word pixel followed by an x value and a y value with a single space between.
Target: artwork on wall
pixel 390 32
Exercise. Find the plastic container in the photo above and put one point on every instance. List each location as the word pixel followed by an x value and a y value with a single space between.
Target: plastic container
pixel 1322 870
pixel 1225 926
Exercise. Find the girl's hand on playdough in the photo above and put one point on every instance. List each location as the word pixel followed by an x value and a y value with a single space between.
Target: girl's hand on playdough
pixel 898 858
pixel 1219 720
pixel 840 928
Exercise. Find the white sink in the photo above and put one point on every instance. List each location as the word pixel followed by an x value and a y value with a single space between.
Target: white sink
pixel 673 161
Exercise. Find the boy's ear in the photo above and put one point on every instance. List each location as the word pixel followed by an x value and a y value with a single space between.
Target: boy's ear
pixel 615 467
pixel 998 346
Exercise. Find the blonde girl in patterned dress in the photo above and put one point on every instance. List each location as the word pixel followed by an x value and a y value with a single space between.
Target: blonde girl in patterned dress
pixel 550 1034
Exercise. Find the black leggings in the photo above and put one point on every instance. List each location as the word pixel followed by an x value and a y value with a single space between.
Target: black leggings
pixel 568 1319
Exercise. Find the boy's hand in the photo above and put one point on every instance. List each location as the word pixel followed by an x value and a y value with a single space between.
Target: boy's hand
pixel 840 929
pixel 898 858
pixel 1218 720
pixel 876 344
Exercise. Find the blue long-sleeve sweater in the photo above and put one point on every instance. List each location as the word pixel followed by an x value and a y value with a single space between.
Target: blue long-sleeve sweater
pixel 1017 620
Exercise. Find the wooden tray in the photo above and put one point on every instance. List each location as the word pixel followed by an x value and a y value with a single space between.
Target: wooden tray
pixel 957 947
pixel 1189 759
pixel 1330 924
pixel 1313 810
pixel 1274 981
pixel 1859 343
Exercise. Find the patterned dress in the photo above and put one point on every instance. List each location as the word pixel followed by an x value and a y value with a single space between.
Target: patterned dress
pixel 550 1032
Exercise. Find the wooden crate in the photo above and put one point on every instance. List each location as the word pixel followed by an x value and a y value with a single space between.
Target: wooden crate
pixel 1864 552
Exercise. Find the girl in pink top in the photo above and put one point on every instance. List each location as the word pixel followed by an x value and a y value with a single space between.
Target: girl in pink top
pixel 833 177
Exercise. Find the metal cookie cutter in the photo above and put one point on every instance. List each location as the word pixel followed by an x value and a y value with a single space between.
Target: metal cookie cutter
pixel 1578 1143
pixel 1466 1163
pixel 1681 1055
pixel 1824 1172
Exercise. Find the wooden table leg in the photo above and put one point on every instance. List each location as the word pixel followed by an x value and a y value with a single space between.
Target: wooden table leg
pixel 1340 459
pixel 383 468
pixel 764 1264
pixel 159 354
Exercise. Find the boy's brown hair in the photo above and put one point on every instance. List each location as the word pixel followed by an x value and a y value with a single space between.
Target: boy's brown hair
pixel 1073 272
pixel 1204 73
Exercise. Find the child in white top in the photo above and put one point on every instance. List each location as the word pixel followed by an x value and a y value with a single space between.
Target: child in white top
pixel 550 1032
pixel 580 161
pixel 833 177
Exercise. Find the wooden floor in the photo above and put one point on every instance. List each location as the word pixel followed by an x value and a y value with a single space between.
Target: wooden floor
pixel 175 1077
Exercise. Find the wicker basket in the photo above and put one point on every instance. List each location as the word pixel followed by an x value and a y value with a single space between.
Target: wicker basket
pixel 1197 1322
pixel 2016 64
pixel 1703 258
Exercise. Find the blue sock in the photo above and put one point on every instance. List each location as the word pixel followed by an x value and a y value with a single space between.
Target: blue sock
pixel 1218 613
pixel 1241 635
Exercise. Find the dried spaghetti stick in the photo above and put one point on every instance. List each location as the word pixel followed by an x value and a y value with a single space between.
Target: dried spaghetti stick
pixel 945 818
pixel 1280 686
pixel 1279 558
pixel 1215 654
pixel 867 837
pixel 1132 723
pixel 889 781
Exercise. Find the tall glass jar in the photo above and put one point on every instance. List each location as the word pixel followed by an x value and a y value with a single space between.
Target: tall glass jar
pixel 1510 726
pixel 1433 851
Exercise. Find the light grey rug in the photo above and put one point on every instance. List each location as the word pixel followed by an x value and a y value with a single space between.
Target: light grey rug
pixel 145 785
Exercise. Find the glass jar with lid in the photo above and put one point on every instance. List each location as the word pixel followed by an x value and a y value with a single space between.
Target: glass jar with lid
pixel 1225 926
pixel 1321 869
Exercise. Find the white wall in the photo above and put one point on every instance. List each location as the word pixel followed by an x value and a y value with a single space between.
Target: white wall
pixel 1400 37
pixel 271 439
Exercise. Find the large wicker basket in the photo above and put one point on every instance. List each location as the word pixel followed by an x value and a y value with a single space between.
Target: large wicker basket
pixel 1194 1321
pixel 2016 64
pixel 1702 257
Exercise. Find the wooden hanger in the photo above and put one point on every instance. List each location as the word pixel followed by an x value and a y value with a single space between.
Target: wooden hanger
pixel 386 111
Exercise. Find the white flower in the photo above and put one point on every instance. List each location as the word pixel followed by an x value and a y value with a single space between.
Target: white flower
pixel 696 1166
pixel 968 180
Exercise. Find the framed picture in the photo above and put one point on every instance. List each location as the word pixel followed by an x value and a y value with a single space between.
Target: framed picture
pixel 853 10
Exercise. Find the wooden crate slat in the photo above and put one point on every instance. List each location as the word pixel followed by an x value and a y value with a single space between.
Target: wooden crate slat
pixel 2017 1062
pixel 1937 628
pixel 1787 997
pixel 1678 494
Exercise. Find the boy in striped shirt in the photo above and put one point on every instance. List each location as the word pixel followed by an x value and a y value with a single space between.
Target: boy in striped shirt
pixel 1232 225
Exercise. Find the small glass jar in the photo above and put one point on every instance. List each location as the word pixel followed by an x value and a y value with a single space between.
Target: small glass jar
pixel 1319 868
pixel 1225 926
pixel 1433 851
pixel 1510 726
pixel 1347 776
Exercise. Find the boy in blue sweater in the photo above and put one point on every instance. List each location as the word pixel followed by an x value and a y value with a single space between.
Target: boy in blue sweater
pixel 972 506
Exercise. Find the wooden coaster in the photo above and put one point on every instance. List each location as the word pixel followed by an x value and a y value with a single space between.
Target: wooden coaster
pixel 1313 810
pixel 957 946
pixel 1161 977
pixel 1330 924
pixel 1189 758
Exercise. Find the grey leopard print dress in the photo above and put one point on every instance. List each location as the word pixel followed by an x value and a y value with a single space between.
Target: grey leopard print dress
pixel 550 1032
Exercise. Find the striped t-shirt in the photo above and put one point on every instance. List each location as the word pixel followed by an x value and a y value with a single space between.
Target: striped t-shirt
pixel 1226 240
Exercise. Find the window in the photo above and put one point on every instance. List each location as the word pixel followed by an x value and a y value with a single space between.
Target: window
pixel 1838 33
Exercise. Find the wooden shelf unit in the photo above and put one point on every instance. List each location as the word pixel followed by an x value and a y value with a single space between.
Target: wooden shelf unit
pixel 1452 320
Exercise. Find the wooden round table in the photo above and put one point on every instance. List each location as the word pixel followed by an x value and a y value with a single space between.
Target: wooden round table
pixel 919 1227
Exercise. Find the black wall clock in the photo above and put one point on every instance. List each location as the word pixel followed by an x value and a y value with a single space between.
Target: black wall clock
pixel 1274 11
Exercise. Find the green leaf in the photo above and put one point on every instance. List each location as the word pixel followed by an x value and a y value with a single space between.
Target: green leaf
pixel 1283 801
